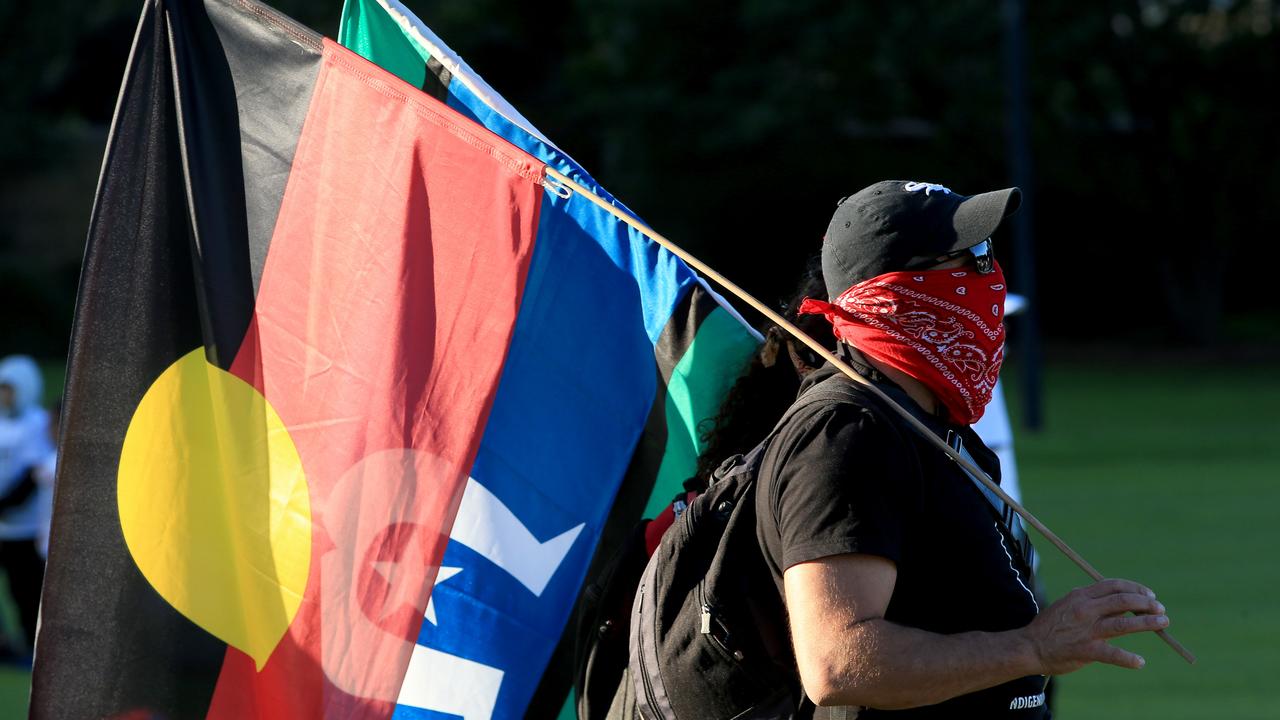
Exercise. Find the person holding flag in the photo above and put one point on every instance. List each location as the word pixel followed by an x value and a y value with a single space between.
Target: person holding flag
pixel 905 586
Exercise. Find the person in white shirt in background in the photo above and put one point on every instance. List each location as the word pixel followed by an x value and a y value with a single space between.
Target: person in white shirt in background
pixel 44 473
pixel 25 500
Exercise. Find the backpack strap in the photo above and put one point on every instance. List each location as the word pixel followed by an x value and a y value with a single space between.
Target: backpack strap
pixel 824 391
pixel 833 389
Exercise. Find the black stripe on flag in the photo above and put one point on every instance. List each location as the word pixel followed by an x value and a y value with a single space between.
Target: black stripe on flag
pixel 201 145
pixel 436 81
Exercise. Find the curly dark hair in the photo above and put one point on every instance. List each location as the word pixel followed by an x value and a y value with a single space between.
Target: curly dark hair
pixel 767 385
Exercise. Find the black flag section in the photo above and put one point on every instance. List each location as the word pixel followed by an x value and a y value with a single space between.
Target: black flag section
pixel 196 163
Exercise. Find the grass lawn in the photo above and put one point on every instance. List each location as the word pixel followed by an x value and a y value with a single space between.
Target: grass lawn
pixel 14 686
pixel 1166 475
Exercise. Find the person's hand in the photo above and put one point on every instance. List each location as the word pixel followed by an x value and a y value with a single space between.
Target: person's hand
pixel 1073 631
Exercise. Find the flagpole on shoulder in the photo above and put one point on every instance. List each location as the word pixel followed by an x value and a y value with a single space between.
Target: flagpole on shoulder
pixel 560 183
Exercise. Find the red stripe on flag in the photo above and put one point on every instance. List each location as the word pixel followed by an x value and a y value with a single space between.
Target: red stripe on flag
pixel 382 321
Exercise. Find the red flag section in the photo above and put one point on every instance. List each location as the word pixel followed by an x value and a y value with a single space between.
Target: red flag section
pixel 387 301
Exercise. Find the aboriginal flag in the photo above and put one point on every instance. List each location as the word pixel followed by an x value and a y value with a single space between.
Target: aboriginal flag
pixel 301 283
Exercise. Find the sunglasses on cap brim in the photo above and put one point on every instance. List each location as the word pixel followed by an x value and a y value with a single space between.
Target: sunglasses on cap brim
pixel 984 256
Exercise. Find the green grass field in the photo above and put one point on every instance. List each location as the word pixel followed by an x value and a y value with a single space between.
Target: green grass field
pixel 1166 475
pixel 14 686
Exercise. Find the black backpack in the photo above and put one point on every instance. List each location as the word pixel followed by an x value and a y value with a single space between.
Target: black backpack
pixel 603 687
pixel 708 635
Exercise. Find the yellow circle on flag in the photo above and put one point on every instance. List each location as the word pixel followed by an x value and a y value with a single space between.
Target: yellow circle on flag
pixel 214 505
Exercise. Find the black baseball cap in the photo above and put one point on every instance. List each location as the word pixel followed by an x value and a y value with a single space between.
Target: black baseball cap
pixel 896 224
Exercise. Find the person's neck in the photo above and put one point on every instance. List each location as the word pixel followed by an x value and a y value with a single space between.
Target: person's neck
pixel 914 389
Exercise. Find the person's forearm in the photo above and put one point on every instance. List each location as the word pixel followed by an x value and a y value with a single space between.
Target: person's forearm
pixel 876 663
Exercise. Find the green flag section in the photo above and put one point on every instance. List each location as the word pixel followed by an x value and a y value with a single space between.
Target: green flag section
pixel 391 36
pixel 694 347
pixel 695 389
pixel 369 30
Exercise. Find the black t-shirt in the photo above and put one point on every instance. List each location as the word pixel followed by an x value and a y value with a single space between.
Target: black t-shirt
pixel 844 478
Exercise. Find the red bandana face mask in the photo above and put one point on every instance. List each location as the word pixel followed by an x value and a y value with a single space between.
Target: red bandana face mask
pixel 942 327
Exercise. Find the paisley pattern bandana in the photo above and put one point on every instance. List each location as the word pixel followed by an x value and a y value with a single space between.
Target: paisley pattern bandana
pixel 942 327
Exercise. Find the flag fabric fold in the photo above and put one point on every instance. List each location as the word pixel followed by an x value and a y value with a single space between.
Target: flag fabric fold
pixel 299 290
pixel 660 359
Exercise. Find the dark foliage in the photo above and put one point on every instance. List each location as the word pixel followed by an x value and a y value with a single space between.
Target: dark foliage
pixel 734 127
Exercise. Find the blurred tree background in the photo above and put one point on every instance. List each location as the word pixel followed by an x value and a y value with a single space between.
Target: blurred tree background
pixel 734 128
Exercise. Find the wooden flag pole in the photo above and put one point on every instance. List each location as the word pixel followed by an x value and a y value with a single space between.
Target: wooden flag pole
pixel 558 181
